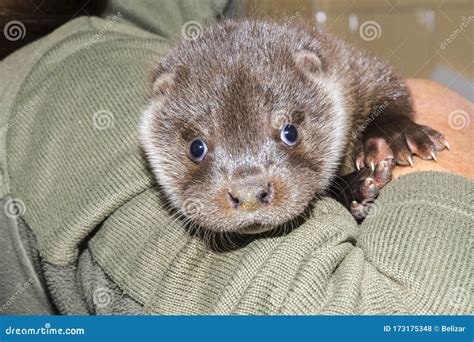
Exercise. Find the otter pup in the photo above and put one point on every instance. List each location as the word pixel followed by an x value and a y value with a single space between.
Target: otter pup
pixel 253 120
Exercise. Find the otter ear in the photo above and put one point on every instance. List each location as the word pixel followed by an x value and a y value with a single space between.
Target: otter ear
pixel 161 80
pixel 307 61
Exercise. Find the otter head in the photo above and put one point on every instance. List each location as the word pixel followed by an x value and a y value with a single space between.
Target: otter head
pixel 243 133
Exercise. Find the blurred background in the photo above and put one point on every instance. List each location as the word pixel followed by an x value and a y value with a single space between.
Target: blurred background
pixel 431 39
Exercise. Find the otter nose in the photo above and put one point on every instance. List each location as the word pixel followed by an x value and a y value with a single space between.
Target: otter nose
pixel 249 196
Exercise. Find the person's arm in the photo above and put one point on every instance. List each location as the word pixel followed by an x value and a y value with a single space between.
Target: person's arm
pixel 416 245
pixel 446 111
pixel 416 239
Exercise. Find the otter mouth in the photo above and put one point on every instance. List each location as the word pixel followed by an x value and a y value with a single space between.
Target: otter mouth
pixel 249 204
pixel 242 219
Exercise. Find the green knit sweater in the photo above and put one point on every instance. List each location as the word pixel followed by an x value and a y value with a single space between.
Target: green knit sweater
pixel 69 151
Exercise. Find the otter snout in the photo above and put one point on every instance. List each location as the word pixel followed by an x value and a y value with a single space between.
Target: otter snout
pixel 249 195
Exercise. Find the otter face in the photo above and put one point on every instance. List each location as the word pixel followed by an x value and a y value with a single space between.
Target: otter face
pixel 240 145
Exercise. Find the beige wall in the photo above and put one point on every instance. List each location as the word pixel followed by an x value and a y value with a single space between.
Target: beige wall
pixel 410 34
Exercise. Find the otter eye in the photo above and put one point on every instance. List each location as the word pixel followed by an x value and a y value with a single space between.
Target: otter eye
pixel 289 134
pixel 197 150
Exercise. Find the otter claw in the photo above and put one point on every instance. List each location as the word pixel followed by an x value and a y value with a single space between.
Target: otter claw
pixel 383 166
pixel 359 161
pixel 372 166
pixel 410 160
pixel 368 182
pixel 433 155
pixel 445 143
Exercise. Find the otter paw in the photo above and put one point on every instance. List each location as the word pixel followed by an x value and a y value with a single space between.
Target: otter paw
pixel 366 184
pixel 399 138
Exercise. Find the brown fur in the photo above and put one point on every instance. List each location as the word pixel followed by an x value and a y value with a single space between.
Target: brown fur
pixel 234 88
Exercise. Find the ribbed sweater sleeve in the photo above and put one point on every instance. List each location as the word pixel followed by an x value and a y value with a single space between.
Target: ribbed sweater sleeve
pixel 412 255
pixel 70 153
pixel 417 245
